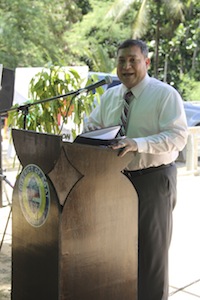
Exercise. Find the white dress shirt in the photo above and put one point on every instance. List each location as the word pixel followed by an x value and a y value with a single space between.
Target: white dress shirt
pixel 156 121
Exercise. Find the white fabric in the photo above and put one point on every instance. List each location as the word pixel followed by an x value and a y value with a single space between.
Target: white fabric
pixel 156 121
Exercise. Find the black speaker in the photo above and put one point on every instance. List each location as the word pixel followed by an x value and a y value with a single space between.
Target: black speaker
pixel 7 89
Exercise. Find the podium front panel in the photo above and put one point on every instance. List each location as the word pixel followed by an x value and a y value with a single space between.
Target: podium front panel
pixel 35 250
pixel 86 244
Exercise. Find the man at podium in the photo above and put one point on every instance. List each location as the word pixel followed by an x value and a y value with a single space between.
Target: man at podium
pixel 154 128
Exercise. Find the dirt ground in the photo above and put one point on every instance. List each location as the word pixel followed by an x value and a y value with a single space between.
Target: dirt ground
pixel 5 257
pixel 9 173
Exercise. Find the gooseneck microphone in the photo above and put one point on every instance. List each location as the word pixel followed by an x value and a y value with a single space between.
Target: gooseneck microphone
pixel 106 80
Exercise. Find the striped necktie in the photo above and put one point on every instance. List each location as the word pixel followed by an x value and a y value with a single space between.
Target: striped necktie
pixel 127 99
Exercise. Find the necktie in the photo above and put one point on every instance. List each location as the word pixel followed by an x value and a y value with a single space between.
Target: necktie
pixel 127 99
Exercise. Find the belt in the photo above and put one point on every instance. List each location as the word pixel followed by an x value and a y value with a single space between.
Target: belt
pixel 147 170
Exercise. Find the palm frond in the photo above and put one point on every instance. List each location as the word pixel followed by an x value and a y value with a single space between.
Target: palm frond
pixel 140 23
pixel 99 57
pixel 175 8
pixel 118 9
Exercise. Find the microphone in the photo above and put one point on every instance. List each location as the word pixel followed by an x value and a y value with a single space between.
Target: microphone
pixel 106 80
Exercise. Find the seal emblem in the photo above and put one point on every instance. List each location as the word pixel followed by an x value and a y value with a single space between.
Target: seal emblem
pixel 34 195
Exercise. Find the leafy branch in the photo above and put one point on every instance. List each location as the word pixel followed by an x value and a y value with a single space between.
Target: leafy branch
pixel 50 116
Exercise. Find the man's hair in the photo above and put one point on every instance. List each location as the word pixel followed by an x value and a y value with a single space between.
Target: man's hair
pixel 139 43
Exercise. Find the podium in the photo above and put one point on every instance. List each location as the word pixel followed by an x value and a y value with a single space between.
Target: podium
pixel 75 222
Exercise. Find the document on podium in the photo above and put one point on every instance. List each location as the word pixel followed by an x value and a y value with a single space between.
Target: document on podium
pixel 99 137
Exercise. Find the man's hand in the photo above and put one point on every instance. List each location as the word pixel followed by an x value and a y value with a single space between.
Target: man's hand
pixel 126 145
pixel 90 127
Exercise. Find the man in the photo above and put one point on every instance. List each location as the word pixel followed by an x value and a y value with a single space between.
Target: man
pixel 155 129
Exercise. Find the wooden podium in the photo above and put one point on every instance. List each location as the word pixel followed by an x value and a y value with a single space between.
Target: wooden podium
pixel 75 222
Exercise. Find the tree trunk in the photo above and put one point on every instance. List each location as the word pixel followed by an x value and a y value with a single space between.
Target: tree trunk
pixel 156 63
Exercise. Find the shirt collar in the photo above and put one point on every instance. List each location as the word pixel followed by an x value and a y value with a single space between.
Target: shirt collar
pixel 137 90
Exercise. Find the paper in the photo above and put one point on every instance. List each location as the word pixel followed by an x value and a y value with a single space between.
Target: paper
pixel 107 133
pixel 99 137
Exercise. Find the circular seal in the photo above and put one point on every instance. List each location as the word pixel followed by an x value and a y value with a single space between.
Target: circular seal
pixel 34 196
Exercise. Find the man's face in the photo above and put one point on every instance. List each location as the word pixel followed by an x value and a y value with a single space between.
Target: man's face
pixel 132 66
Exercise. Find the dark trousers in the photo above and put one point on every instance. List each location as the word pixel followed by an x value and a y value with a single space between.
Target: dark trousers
pixel 156 189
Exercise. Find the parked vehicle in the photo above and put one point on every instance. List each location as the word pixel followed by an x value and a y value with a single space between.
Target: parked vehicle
pixel 192 110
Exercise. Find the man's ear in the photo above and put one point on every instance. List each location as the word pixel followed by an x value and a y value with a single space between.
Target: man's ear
pixel 148 61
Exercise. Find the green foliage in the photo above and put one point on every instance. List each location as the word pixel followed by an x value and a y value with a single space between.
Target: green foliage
pixel 98 59
pixel 96 38
pixel 34 33
pixel 171 29
pixel 45 116
pixel 84 5
pixel 189 88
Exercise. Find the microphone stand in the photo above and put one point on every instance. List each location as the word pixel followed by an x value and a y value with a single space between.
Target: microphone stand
pixel 10 211
pixel 25 110
pixel 25 107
